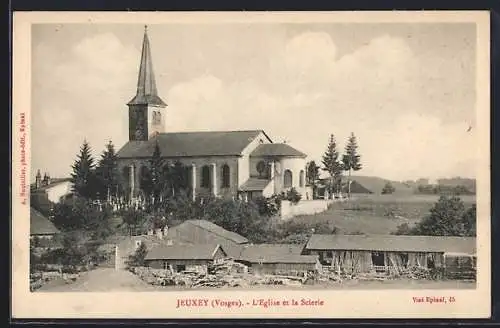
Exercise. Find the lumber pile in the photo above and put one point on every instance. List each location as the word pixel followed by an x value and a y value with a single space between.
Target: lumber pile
pixel 415 273
pixel 218 278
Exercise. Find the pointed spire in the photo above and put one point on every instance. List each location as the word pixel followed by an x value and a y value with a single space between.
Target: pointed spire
pixel 147 93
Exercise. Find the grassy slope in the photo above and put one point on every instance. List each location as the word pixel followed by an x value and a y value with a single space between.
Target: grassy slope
pixel 376 184
pixel 376 214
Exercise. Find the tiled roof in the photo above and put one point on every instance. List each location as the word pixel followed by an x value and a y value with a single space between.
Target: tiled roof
pixel 275 253
pixel 255 184
pixel 191 144
pixel 40 225
pixel 219 231
pixel 277 149
pixel 183 252
pixel 393 243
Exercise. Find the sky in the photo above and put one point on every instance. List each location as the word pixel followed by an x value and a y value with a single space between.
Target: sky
pixel 407 91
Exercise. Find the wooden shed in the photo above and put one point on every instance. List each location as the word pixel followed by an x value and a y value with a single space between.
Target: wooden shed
pixel 386 253
pixel 282 259
pixel 178 258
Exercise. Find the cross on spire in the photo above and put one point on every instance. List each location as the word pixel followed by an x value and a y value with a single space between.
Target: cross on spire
pixel 147 93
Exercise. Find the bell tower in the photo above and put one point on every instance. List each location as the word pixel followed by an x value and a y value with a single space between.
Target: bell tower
pixel 146 109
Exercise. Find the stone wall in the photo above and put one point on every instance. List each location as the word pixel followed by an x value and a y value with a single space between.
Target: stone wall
pixel 304 207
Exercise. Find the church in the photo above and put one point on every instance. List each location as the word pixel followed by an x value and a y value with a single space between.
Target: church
pixel 229 164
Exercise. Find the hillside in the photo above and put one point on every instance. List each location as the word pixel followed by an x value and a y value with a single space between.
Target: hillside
pixel 376 184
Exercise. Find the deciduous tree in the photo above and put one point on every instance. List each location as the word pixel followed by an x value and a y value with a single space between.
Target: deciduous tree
pixel 448 217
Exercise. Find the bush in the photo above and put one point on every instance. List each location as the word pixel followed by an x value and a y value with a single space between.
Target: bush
pixel 137 259
pixel 268 207
pixel 293 196
pixel 388 189
pixel 403 229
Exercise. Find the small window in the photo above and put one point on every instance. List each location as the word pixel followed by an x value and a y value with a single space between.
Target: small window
pixel 205 177
pixel 261 168
pixel 156 117
pixel 302 178
pixel 288 179
pixel 180 267
pixel 225 176
pixel 378 259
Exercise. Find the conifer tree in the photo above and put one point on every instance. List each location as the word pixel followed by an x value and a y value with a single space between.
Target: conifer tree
pixel 107 172
pixel 351 160
pixel 83 176
pixel 331 163
pixel 153 181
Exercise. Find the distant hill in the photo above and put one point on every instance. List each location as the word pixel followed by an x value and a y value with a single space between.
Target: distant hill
pixel 376 184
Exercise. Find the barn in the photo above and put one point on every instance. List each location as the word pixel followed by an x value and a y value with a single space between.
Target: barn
pixel 190 232
pixel 278 259
pixel 389 253
pixel 179 258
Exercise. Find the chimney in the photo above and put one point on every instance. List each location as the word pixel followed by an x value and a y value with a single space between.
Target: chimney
pixel 38 180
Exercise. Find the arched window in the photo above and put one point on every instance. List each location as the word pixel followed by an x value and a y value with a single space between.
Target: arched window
pixel 144 172
pixel 225 176
pixel 287 179
pixel 301 178
pixel 126 173
pixel 261 168
pixel 205 177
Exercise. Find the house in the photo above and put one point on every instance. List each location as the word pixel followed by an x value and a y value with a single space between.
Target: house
pixel 42 231
pixel 191 232
pixel 120 248
pixel 230 164
pixel 206 232
pixel 179 258
pixel 386 253
pixel 278 259
pixel 40 226
pixel 50 190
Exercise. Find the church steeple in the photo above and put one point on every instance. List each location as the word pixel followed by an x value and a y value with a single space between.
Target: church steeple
pixel 147 93
pixel 146 117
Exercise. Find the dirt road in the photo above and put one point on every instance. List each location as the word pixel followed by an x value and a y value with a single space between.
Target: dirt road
pixel 100 280
pixel 111 280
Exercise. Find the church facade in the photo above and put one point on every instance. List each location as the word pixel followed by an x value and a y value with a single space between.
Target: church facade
pixel 219 163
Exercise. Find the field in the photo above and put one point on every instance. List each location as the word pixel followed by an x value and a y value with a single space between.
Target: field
pixel 376 214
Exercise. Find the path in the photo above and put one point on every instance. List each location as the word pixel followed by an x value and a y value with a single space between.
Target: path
pixel 101 280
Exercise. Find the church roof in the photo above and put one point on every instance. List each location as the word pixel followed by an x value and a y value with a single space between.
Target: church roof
pixel 276 149
pixel 255 184
pixel 192 144
pixel 147 93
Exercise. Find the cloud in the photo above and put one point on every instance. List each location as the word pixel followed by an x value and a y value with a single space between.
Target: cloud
pixel 79 95
pixel 382 91
pixel 375 92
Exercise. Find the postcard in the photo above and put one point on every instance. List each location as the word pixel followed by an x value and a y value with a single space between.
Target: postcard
pixel 251 165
